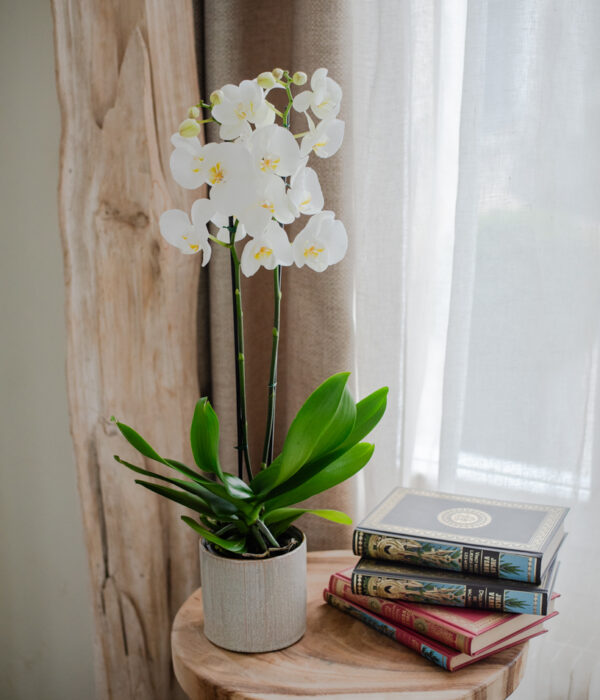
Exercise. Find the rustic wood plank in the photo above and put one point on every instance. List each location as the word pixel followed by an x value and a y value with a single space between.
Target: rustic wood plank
pixel 337 657
pixel 123 85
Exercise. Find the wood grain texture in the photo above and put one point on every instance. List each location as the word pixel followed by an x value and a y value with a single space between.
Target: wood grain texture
pixel 124 83
pixel 338 655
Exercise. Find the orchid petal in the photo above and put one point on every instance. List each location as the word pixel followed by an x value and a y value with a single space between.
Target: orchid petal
pixel 302 100
pixel 202 211
pixel 173 224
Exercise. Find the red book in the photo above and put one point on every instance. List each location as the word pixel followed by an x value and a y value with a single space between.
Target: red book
pixel 443 656
pixel 468 630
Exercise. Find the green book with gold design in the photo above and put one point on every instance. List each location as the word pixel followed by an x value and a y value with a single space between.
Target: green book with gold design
pixel 480 536
pixel 396 581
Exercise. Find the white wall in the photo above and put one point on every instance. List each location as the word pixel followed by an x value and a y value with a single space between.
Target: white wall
pixel 45 614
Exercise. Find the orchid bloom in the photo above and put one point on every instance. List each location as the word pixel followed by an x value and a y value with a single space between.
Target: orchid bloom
pixel 324 98
pixel 268 250
pixel 322 242
pixel 274 150
pixel 324 139
pixel 240 106
pixel 305 195
pixel 228 170
pixel 268 201
pixel 187 162
pixel 189 236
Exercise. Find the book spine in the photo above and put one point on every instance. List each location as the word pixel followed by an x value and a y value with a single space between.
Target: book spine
pixel 401 614
pixel 405 637
pixel 450 557
pixel 467 595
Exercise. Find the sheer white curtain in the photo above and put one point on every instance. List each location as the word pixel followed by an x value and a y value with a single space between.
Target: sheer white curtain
pixel 477 139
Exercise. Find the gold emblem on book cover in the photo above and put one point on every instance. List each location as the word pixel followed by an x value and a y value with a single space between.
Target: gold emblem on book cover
pixel 464 518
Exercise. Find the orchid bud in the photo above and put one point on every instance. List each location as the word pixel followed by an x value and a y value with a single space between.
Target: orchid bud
pixel 277 73
pixel 189 128
pixel 299 78
pixel 193 112
pixel 266 80
pixel 216 97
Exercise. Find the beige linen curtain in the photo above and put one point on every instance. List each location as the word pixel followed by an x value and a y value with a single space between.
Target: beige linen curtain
pixel 239 41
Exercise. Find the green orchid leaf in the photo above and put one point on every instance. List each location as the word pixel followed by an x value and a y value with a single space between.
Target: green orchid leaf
pixel 184 469
pixel 283 514
pixel 204 436
pixel 235 545
pixel 137 441
pixel 181 497
pixel 339 428
pixel 282 522
pixel 220 507
pixel 369 412
pixel 311 422
pixel 236 487
pixel 342 468
pixel 266 480
pixel 306 431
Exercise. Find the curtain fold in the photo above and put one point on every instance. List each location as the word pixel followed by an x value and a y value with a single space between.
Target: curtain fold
pixel 240 41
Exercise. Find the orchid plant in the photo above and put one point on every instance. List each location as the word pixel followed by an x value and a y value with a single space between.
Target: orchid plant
pixel 259 182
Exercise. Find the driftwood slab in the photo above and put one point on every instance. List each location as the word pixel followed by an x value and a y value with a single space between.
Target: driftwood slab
pixel 337 656
pixel 126 73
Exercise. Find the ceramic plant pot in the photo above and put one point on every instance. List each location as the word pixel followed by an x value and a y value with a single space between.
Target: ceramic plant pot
pixel 254 605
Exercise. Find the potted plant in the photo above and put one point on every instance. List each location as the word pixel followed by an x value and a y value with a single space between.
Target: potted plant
pixel 253 560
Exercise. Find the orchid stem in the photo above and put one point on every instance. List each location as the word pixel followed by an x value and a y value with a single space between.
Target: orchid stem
pixel 267 533
pixel 267 456
pixel 240 366
pixel 259 538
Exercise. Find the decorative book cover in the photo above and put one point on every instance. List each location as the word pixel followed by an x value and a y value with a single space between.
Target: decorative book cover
pixel 397 581
pixel 480 536
pixel 443 656
pixel 467 630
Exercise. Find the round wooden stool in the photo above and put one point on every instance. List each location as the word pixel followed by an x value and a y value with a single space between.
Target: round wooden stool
pixel 338 656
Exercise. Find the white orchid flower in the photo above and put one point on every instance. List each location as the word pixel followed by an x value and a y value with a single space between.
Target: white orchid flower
pixel 240 106
pixel 222 221
pixel 305 195
pixel 228 170
pixel 324 98
pixel 324 139
pixel 274 150
pixel 187 162
pixel 189 236
pixel 322 242
pixel 268 201
pixel 269 249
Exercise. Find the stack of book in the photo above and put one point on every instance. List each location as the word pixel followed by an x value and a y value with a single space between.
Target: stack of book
pixel 455 578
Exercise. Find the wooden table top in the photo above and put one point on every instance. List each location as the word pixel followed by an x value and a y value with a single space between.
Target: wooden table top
pixel 338 655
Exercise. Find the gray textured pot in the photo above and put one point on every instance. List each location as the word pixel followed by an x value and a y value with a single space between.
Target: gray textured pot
pixel 254 605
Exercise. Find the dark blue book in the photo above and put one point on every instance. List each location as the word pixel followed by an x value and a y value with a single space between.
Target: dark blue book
pixel 479 536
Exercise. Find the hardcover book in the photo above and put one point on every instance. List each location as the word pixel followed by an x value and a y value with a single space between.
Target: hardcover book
pixel 443 656
pixel 466 630
pixel 479 536
pixel 397 581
